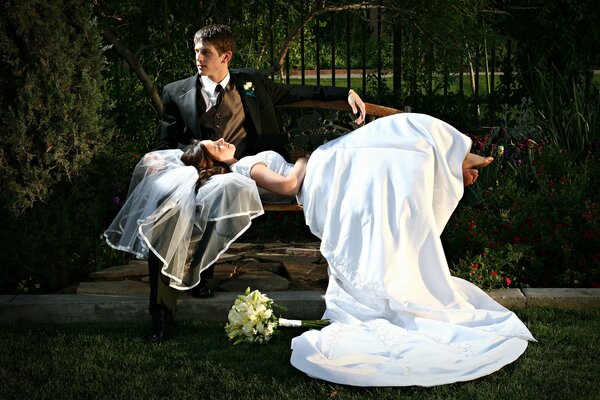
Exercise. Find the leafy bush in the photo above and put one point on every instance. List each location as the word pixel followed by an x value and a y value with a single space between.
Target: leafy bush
pixel 534 219
pixel 58 178
pixel 52 101
pixel 569 114
pixel 56 243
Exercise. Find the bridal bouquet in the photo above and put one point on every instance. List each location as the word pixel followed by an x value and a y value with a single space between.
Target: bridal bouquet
pixel 251 319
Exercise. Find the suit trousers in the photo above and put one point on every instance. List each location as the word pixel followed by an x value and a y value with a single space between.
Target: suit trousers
pixel 160 291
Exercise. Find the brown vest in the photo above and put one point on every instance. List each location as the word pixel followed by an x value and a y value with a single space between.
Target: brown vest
pixel 227 121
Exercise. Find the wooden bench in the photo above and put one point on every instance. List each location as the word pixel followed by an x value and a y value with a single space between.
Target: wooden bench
pixel 373 111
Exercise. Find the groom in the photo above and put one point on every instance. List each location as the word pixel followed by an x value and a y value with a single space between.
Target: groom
pixel 237 105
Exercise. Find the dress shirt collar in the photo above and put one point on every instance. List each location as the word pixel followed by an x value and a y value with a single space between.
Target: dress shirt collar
pixel 210 86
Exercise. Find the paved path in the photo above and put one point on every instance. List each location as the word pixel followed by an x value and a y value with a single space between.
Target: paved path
pixel 293 275
pixel 68 308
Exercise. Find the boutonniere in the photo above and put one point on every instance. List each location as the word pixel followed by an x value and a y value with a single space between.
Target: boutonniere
pixel 249 88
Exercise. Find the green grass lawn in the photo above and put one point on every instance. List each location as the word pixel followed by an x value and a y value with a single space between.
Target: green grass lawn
pixel 357 83
pixel 112 361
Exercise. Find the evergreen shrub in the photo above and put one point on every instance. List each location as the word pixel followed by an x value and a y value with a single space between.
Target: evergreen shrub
pixel 55 179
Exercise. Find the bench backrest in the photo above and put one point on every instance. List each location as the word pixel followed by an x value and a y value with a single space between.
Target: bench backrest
pixel 373 110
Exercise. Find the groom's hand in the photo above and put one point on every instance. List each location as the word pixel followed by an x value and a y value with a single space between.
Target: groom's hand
pixel 357 106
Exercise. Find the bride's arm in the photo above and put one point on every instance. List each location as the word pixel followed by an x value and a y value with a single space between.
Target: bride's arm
pixel 273 182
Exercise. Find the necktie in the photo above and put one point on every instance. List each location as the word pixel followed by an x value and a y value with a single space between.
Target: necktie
pixel 220 91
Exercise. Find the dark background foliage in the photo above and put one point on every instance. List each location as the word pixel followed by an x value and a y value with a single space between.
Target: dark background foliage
pixel 77 114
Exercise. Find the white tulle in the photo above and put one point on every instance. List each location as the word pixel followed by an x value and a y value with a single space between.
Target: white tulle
pixel 187 230
pixel 379 199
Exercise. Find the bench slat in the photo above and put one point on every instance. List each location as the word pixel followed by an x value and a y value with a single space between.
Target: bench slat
pixel 342 105
pixel 282 207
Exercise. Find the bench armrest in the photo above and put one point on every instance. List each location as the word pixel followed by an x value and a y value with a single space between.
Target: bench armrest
pixel 341 105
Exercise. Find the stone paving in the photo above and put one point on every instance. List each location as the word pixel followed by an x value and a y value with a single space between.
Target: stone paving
pixel 266 267
pixel 293 275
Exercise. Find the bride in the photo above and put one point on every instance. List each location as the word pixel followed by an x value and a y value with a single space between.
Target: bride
pixel 378 199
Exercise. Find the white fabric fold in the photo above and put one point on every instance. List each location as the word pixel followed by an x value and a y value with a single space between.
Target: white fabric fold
pixel 379 198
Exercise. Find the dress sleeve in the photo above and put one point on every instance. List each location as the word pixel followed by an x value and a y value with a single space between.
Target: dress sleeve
pixel 244 166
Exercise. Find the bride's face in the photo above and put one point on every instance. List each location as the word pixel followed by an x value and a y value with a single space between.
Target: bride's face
pixel 219 150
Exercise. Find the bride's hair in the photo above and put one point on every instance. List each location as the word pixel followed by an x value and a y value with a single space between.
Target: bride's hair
pixel 197 156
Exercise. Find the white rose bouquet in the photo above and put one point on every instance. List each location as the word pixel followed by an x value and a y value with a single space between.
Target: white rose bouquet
pixel 251 319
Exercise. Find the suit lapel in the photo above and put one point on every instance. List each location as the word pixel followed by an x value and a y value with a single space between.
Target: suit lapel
pixel 250 103
pixel 192 103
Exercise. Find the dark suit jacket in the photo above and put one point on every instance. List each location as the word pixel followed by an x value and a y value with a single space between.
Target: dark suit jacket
pixel 182 103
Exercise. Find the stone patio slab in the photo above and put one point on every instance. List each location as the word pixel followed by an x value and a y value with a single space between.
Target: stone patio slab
pixel 261 280
pixel 70 308
pixel 124 288
pixel 118 272
pixel 563 297
pixel 511 297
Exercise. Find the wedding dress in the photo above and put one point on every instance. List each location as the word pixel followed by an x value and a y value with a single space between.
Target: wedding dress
pixel 187 230
pixel 378 199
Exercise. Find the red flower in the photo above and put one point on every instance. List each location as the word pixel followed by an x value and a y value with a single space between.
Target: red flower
pixel 516 239
pixel 508 281
pixel 475 266
pixel 494 273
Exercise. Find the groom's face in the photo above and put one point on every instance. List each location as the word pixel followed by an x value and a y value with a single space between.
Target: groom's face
pixel 210 63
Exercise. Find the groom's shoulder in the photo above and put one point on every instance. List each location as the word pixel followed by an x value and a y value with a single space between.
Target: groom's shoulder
pixel 182 83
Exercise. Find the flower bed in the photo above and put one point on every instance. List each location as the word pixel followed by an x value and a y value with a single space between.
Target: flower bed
pixel 533 219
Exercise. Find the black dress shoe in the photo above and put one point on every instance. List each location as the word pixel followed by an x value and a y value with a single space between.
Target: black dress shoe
pixel 202 291
pixel 160 324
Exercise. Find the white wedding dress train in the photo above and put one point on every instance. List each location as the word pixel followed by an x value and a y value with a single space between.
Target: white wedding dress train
pixel 378 199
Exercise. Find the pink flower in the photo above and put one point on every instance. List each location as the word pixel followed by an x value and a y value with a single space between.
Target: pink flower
pixel 494 273
pixel 508 281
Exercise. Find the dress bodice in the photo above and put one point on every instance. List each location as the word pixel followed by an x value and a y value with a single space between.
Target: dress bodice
pixel 272 160
pixel 276 163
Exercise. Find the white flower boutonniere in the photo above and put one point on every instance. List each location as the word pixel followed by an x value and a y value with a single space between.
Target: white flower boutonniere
pixel 249 88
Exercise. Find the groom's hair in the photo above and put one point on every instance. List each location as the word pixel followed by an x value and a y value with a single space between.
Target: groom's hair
pixel 219 36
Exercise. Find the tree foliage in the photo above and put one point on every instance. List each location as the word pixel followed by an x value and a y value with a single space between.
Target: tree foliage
pixel 51 96
pixel 562 35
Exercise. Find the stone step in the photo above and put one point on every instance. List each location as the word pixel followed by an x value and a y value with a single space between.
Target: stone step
pixel 261 280
pixel 125 287
pixel 135 269
pixel 68 308
pixel 242 247
pixel 305 269
pixel 303 251
pixel 282 258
